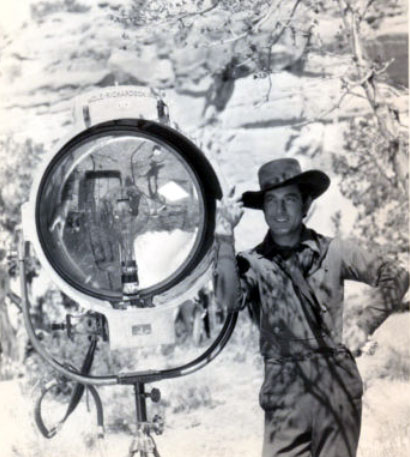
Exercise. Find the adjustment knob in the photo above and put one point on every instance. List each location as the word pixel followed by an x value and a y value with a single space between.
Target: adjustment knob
pixel 155 395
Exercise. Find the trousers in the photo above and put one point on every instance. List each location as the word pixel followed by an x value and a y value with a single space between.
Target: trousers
pixel 312 407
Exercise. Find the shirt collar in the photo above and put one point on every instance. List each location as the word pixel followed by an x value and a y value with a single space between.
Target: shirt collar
pixel 309 238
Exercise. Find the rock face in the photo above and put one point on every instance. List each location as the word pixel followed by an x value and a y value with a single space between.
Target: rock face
pixel 244 96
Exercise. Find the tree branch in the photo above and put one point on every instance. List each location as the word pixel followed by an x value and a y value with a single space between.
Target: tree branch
pixel 325 113
pixel 198 13
pixel 175 19
pixel 286 25
pixel 366 9
pixel 257 25
pixel 388 124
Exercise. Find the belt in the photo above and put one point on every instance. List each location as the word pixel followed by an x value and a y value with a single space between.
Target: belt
pixel 284 349
pixel 337 352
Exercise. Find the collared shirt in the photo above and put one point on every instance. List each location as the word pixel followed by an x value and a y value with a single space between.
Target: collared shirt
pixel 254 278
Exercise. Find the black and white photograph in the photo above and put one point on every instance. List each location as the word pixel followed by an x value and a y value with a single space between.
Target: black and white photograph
pixel 204 228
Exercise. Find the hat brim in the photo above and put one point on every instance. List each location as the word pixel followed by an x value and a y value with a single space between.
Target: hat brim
pixel 314 183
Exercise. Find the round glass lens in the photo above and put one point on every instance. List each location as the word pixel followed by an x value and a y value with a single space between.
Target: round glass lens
pixel 120 213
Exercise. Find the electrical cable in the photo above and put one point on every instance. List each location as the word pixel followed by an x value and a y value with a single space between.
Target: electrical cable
pixel 75 398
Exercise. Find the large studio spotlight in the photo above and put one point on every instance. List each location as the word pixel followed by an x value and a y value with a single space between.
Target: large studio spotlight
pixel 122 216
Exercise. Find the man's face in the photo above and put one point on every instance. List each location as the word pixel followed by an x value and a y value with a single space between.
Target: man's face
pixel 284 211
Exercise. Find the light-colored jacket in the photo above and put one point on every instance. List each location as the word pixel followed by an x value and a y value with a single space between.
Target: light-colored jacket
pixel 254 279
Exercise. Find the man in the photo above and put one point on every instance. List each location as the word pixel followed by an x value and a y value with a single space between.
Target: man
pixel 293 285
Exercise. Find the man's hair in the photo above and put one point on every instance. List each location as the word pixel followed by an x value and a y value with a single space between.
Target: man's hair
pixel 305 191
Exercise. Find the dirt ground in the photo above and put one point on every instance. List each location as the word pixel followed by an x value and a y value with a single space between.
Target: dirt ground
pixel 213 412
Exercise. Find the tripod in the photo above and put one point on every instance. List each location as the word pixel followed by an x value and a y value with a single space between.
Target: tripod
pixel 143 444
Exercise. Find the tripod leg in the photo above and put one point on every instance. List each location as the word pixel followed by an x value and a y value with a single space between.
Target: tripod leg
pixel 154 448
pixel 132 449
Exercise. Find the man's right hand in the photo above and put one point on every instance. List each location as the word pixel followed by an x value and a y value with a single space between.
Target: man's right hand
pixel 229 213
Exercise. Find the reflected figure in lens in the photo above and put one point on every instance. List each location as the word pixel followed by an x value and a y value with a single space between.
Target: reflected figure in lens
pixel 292 283
pixel 156 163
pixel 134 195
pixel 63 212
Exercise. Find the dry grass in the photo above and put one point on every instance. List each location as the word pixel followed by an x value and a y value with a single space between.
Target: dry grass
pixel 215 411
pixel 386 420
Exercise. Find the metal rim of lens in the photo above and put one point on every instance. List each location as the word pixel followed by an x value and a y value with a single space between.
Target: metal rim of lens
pixel 208 189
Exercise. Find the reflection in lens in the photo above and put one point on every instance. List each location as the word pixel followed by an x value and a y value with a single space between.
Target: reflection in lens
pixel 119 213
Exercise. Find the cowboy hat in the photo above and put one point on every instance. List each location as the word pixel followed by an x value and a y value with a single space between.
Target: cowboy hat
pixel 285 172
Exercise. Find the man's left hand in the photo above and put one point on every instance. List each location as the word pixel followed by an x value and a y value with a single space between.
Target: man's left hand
pixel 357 341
